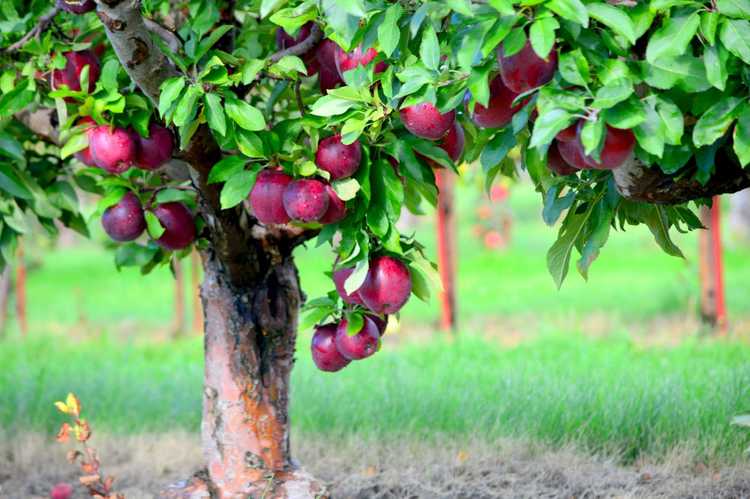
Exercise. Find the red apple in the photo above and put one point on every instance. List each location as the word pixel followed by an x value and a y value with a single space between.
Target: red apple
pixel 84 155
pixel 452 143
pixel 568 134
pixel 340 160
pixel 324 352
pixel 156 150
pixel 113 149
pixel 346 61
pixel 387 286
pixel 336 207
pixel 267 197
pixel 70 75
pixel 424 120
pixel 500 110
pixel 178 223
pixel 285 41
pixel 306 200
pixel 61 491
pixel 525 70
pixel 618 146
pixel 339 278
pixel 556 163
pixel 360 345
pixel 124 221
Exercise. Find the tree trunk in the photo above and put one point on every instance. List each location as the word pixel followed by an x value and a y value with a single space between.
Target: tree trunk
pixel 446 241
pixel 250 337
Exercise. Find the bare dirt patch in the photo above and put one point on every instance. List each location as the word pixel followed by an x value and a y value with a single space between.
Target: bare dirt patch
pixel 31 463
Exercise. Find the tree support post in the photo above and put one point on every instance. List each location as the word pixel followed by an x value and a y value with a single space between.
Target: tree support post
pixel 446 243
pixel 23 323
pixel 713 301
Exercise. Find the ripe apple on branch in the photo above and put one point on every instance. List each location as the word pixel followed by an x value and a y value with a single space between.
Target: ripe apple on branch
pixel 246 130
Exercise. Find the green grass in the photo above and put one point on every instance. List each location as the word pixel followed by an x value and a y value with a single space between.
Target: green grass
pixel 609 396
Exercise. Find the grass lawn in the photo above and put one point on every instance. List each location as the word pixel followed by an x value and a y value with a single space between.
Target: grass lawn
pixel 606 396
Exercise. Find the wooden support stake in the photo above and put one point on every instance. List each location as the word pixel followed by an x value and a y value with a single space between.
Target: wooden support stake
pixel 713 297
pixel 446 242
pixel 179 298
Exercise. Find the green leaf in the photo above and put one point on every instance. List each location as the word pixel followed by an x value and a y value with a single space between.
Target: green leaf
pixel 558 256
pixel 205 45
pixel 735 35
pixel 575 68
pixel 542 35
pixel 716 121
pixel 268 6
pixel 11 183
pixel 613 93
pixel 592 136
pixel 429 48
pixel 601 222
pixel 329 105
pixel 388 32
pixel 685 72
pixel 672 120
pixel 226 168
pixel 245 115
pixel 215 114
pixel 655 217
pixel 709 24
pixel 237 188
pixel 514 42
pixel 75 143
pixel 549 124
pixel 673 37
pixel 170 91
pixel 741 137
pixel 249 143
pixel 346 189
pixel 716 71
pixel 572 10
pixel 734 8
pixel 650 133
pixel 250 70
pixel 188 106
pixel 614 18
pixel 357 277
pixel 175 195
pixel 153 225
pixel 496 150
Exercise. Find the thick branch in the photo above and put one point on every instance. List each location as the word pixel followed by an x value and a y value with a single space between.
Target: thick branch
pixel 300 48
pixel 129 36
pixel 640 183
pixel 41 25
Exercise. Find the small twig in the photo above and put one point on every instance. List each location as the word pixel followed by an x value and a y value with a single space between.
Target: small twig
pixel 44 21
pixel 301 47
pixel 298 95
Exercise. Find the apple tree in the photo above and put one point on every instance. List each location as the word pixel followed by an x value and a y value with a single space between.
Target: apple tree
pixel 249 128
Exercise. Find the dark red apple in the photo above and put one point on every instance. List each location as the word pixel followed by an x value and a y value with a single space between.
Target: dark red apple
pixel 424 120
pixel 346 61
pixel 340 160
pixel 113 149
pixel 178 223
pixel 328 79
pixel 324 352
pixel 572 154
pixel 618 146
pixel 328 75
pixel 387 286
pixel 381 322
pixel 339 278
pixel 124 221
pixel 306 200
pixel 77 6
pixel 452 143
pixel 500 110
pixel 61 491
pixel 70 75
pixel 336 207
pixel 525 70
pixel 567 134
pixel 556 163
pixel 358 346
pixel 84 155
pixel 267 197
pixel 155 150
pixel 285 41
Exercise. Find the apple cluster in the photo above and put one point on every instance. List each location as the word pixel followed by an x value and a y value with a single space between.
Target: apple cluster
pixel 385 290
pixel 115 149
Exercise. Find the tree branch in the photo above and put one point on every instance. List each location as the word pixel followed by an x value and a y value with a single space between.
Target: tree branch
pixel 638 182
pixel 300 48
pixel 170 38
pixel 128 33
pixel 41 25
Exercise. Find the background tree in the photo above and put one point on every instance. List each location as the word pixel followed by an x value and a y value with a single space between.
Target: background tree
pixel 247 128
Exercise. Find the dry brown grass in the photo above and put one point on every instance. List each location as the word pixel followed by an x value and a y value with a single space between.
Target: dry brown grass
pixel 31 463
